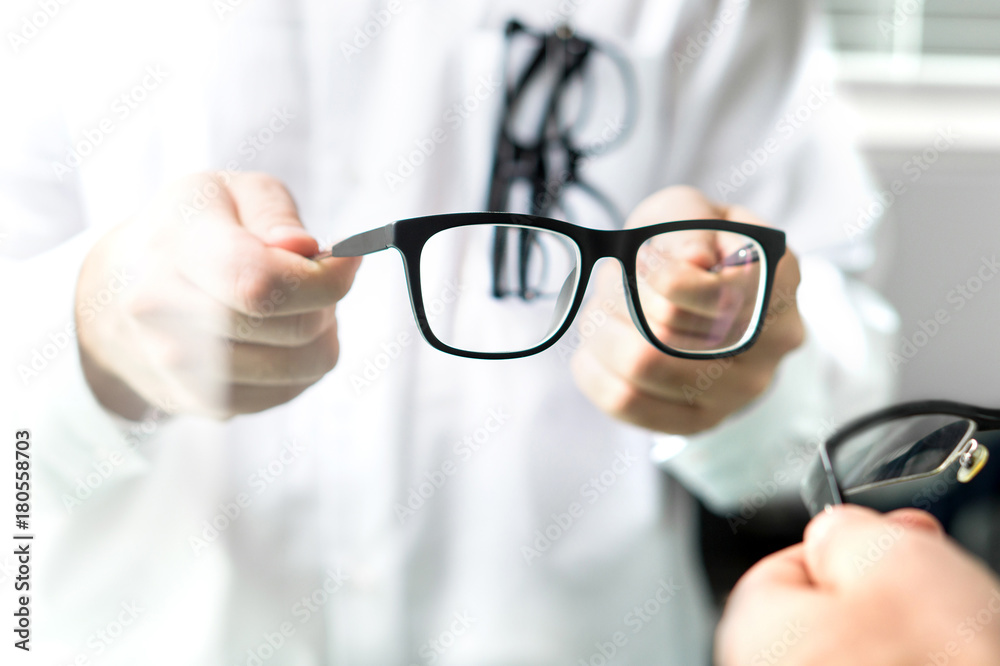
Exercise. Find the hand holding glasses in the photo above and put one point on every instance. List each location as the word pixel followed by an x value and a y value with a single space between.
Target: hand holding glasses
pixel 694 289
pixel 905 443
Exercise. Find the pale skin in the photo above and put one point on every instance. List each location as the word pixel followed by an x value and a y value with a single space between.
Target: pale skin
pixel 229 316
pixel 625 376
pixel 226 314
pixel 865 589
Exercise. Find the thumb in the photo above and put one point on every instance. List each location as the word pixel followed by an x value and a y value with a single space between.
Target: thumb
pixel 844 544
pixel 679 202
pixel 266 209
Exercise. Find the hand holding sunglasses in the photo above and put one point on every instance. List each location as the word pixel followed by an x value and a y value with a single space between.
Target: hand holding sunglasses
pixel 899 446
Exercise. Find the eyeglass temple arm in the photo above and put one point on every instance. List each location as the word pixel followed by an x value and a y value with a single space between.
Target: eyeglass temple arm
pixel 819 486
pixel 359 244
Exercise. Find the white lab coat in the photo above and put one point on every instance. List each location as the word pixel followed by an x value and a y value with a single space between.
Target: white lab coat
pixel 412 507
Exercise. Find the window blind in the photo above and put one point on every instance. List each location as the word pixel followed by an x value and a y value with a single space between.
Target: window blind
pixel 916 27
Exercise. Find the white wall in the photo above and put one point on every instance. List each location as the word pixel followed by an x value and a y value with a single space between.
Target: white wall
pixel 940 230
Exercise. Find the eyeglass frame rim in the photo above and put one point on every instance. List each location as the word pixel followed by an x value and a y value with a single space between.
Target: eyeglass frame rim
pixel 408 237
pixel 984 419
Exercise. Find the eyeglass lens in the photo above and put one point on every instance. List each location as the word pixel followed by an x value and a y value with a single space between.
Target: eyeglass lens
pixel 701 290
pixel 900 449
pixel 463 313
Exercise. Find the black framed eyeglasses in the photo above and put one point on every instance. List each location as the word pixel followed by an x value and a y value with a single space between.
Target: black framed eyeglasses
pixel 709 308
pixel 549 127
pixel 904 443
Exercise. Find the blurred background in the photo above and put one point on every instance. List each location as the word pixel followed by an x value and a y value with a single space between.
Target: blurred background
pixel 922 79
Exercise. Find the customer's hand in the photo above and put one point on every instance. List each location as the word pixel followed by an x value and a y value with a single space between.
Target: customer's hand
pixel 218 311
pixel 631 380
pixel 865 590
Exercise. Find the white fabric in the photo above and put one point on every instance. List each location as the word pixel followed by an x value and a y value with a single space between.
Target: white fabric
pixel 452 583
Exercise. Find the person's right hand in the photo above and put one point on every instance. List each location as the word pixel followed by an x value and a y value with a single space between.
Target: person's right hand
pixel 865 590
pixel 221 313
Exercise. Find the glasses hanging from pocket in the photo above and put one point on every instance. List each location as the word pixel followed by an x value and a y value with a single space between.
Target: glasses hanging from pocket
pixel 547 131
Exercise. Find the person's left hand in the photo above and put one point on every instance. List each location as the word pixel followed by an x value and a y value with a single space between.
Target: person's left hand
pixel 624 375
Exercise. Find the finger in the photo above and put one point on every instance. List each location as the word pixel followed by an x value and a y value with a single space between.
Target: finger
pixel 620 350
pixel 717 303
pixel 775 594
pixel 224 249
pixel 244 274
pixel 674 325
pixel 186 310
pixel 737 213
pixel 679 202
pixel 264 365
pixel 844 544
pixel 253 399
pixel 785 568
pixel 668 251
pixel 223 401
pixel 277 331
pixel 916 519
pixel 686 286
pixel 266 209
pixel 624 400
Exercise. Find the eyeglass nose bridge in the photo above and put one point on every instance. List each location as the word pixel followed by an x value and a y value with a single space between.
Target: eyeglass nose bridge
pixel 623 249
